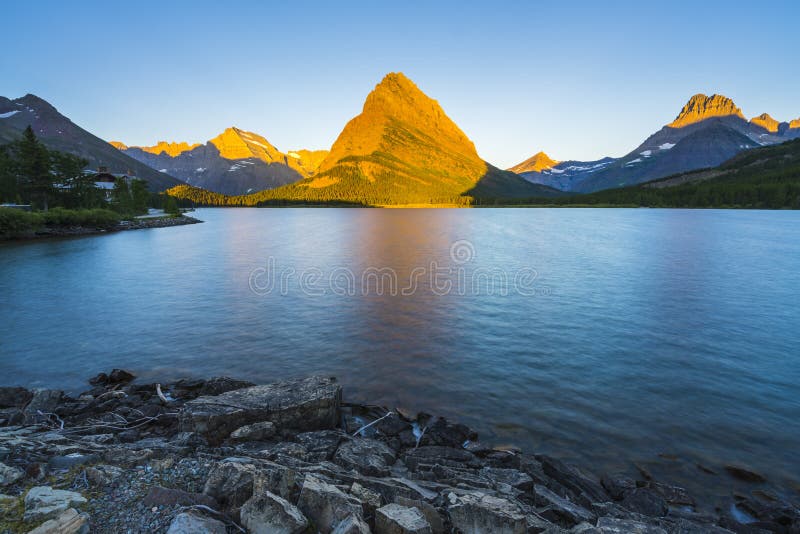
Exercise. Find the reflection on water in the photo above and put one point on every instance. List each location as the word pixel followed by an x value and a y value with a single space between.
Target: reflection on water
pixel 651 331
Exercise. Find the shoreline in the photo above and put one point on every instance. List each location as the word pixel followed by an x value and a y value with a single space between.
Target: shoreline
pixel 125 225
pixel 225 454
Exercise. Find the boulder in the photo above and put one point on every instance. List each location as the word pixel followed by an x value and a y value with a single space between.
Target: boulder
pixel 396 519
pixel 187 523
pixel 222 384
pixel 102 474
pixel 370 500
pixel 255 432
pixel 426 509
pixel 267 513
pixel 477 513
pixel 9 474
pixel 352 525
pixel 14 397
pixel 367 456
pixel 573 479
pixel 320 445
pixel 610 525
pixel 44 401
pixel 307 404
pixel 325 504
pixel 44 502
pixel 434 454
pixel 120 376
pixel 617 485
pixel 558 509
pixel 441 432
pixel 674 495
pixel 513 477
pixel 68 522
pixel 231 483
pixel 646 502
pixel 278 479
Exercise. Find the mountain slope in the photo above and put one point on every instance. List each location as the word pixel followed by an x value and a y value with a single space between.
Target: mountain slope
pixel 764 177
pixel 59 133
pixel 403 149
pixel 706 132
pixel 233 163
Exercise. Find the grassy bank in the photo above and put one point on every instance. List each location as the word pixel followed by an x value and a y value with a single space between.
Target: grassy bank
pixel 18 223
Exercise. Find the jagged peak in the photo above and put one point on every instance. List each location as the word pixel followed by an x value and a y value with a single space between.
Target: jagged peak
pixel 171 149
pixel 794 123
pixel 701 107
pixel 765 121
pixel 119 145
pixel 536 163
pixel 235 143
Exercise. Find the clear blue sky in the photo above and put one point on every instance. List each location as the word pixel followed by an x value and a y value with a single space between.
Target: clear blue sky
pixel 579 80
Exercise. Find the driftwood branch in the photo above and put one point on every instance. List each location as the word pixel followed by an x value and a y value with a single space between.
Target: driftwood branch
pixel 160 394
pixel 363 428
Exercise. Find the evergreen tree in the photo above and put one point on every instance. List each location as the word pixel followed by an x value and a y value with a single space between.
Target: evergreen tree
pixel 121 199
pixel 8 182
pixel 140 196
pixel 33 164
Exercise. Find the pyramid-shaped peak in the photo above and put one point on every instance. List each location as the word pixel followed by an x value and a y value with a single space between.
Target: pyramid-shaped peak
pixel 767 122
pixel 397 95
pixel 536 163
pixel 701 107
pixel 395 111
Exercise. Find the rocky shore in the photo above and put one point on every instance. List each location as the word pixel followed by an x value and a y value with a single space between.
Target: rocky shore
pixel 225 455
pixel 135 224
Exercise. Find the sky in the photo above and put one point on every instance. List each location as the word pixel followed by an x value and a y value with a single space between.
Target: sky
pixel 578 80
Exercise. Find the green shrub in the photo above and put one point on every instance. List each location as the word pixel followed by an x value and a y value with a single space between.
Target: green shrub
pixel 14 222
pixel 97 218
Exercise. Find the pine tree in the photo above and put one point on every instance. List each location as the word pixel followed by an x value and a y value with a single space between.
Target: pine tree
pixel 33 168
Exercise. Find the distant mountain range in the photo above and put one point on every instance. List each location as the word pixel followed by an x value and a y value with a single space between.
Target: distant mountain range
pixel 766 177
pixel 708 131
pixel 401 149
pixel 59 133
pixel 235 162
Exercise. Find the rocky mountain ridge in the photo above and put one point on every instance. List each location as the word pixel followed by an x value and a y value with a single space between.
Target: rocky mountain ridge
pixel 706 132
pixel 57 132
pixel 233 163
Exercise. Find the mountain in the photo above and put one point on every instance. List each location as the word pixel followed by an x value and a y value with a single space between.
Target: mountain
pixel 766 122
pixel 59 133
pixel 235 162
pixel 537 163
pixel 403 149
pixel 707 131
pixel 765 177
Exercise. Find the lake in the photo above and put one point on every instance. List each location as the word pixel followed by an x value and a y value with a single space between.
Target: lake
pixel 604 336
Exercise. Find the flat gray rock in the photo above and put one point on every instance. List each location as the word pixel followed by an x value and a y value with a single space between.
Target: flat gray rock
pixel 268 513
pixel 307 404
pixel 325 504
pixel 186 523
pixel 477 513
pixel 44 502
pixel 397 519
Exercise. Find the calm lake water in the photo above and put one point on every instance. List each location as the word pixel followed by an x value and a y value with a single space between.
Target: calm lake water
pixel 605 336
